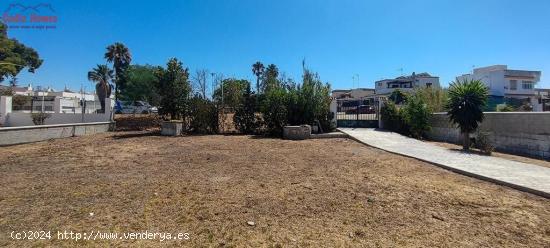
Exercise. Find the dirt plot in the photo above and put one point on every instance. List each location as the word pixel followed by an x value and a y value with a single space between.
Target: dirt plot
pixel 316 193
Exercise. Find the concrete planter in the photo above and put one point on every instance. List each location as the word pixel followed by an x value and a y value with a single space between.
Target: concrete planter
pixel 297 132
pixel 171 128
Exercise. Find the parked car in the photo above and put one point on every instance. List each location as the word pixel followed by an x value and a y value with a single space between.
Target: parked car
pixel 361 109
pixel 135 107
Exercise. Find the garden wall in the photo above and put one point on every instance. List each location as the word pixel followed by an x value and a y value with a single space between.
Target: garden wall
pixel 17 119
pixel 10 118
pixel 523 133
pixel 20 135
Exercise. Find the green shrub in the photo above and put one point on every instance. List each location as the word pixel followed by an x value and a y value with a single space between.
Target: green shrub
pixel 416 115
pixel 434 97
pixel 392 118
pixel 40 118
pixel 505 108
pixel 398 97
pixel 274 110
pixel 483 143
pixel 203 116
pixel 297 104
pixel 245 118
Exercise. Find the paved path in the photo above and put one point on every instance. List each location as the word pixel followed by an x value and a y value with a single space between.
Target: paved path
pixel 526 177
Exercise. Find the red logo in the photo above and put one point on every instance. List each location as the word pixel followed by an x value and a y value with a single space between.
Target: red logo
pixel 39 16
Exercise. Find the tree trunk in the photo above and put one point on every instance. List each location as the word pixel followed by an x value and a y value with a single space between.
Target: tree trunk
pixel 466 141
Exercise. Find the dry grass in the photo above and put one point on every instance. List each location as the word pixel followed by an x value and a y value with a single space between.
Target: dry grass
pixel 327 193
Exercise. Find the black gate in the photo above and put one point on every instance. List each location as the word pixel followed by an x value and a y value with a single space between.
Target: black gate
pixel 357 113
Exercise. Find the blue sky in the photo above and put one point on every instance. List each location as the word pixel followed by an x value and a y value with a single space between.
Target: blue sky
pixel 338 39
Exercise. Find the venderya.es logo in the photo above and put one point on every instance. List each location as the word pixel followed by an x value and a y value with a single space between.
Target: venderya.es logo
pixel 24 16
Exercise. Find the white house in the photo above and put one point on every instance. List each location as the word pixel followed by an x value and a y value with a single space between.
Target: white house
pixel 504 82
pixel 406 83
pixel 353 94
pixel 45 100
pixel 509 86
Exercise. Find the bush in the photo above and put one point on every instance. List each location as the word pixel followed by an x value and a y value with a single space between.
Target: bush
pixel 434 97
pixel 39 118
pixel 274 111
pixel 416 115
pixel 392 118
pixel 505 108
pixel 483 143
pixel 203 116
pixel 245 116
pixel 297 104
pixel 398 97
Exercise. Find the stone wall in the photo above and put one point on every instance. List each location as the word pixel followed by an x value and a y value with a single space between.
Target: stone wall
pixel 20 135
pixel 523 133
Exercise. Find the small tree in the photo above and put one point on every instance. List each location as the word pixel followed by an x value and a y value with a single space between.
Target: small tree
pixel 417 115
pixel 40 118
pixel 393 119
pixel 466 101
pixel 203 115
pixel 101 75
pixel 174 89
pixel 245 116
pixel 274 110
pixel 434 97
pixel 398 96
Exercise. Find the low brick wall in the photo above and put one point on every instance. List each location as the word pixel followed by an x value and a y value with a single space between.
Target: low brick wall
pixel 27 134
pixel 523 133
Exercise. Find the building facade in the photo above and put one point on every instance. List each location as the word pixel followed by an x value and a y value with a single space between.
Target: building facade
pixel 406 83
pixel 45 100
pixel 353 94
pixel 504 82
pixel 507 86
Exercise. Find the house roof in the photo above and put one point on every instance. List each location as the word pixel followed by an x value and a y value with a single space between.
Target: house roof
pixel 408 78
pixel 16 89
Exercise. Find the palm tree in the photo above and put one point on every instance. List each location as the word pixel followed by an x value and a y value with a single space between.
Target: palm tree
pixel 466 101
pixel 270 80
pixel 120 56
pixel 101 75
pixel 258 70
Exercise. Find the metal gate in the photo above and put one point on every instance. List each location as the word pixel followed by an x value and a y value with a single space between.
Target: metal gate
pixel 357 113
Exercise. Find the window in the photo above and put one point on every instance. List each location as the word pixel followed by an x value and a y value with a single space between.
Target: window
pixel 513 84
pixel 428 85
pixel 527 85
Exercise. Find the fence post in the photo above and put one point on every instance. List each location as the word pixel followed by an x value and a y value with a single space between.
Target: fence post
pixel 5 108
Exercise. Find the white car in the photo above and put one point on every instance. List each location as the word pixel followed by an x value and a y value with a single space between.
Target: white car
pixel 136 107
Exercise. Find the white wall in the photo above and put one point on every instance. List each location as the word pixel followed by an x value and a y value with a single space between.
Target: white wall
pixel 9 118
pixel 17 119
